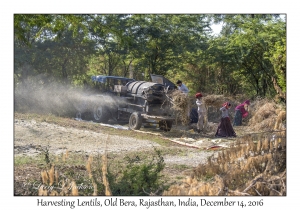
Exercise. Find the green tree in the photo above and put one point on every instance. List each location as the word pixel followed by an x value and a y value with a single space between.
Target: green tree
pixel 163 40
pixel 251 39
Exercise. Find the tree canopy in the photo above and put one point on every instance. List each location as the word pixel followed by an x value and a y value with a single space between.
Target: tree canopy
pixel 247 57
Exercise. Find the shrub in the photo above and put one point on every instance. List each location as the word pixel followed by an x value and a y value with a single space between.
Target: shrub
pixel 140 176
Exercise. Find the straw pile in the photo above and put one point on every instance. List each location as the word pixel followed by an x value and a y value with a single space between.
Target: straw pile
pixel 266 115
pixel 214 100
pixel 180 106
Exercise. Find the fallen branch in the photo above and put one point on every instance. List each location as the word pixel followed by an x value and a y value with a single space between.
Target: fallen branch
pixel 253 183
pixel 256 191
pixel 238 193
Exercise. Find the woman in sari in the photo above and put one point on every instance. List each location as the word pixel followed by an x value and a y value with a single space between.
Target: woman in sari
pixel 225 128
pixel 240 113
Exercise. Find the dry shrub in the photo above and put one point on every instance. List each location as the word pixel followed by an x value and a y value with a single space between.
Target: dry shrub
pixel 258 170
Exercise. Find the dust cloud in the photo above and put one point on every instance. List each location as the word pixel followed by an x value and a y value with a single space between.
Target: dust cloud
pixel 37 96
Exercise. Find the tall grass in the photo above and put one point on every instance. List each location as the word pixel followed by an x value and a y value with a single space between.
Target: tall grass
pixel 254 165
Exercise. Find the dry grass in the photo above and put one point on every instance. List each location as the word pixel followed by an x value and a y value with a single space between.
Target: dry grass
pixel 104 176
pixel 104 172
pixel 69 187
pixel 180 106
pixel 266 115
pixel 88 166
pixel 51 173
pixel 44 176
pixel 249 167
pixel 214 100
pixel 74 190
pixel 280 120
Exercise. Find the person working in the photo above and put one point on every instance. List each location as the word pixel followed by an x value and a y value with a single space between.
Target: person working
pixel 240 113
pixel 201 112
pixel 182 87
pixel 225 128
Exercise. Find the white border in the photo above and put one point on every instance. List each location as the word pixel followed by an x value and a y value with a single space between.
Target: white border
pixel 8 201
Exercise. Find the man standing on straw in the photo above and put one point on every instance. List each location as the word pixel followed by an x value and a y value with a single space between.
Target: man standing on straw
pixel 185 91
pixel 182 87
pixel 201 112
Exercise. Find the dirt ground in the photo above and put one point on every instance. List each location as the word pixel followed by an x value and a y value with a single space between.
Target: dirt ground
pixel 184 150
pixel 30 135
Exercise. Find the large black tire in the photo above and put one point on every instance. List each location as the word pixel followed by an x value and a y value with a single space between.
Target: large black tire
pixel 165 125
pixel 100 114
pixel 135 121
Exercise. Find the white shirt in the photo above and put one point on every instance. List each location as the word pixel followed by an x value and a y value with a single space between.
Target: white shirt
pixel 201 106
pixel 224 112
pixel 183 88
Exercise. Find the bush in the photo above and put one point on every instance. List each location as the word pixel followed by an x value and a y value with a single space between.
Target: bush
pixel 140 177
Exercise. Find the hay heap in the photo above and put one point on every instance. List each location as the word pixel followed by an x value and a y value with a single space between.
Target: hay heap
pixel 180 106
pixel 266 115
pixel 214 100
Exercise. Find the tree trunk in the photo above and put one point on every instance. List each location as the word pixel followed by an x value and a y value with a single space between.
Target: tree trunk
pixel 64 71
pixel 278 89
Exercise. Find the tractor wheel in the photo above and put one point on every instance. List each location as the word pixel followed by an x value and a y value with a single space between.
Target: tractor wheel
pixel 135 121
pixel 100 114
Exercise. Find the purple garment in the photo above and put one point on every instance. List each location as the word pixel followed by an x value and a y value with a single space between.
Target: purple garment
pixel 247 102
pixel 241 108
pixel 225 128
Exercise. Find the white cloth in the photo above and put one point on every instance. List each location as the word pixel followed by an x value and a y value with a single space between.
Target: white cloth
pixel 201 113
pixel 200 123
pixel 183 89
pixel 201 106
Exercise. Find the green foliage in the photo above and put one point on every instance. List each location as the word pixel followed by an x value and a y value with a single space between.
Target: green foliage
pixel 45 153
pixel 140 177
pixel 278 60
pixel 247 57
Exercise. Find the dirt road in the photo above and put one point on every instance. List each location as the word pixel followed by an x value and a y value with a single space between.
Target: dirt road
pixel 31 135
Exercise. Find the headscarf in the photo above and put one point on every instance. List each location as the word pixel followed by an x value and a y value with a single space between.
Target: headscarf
pixel 198 95
pixel 247 102
pixel 226 104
